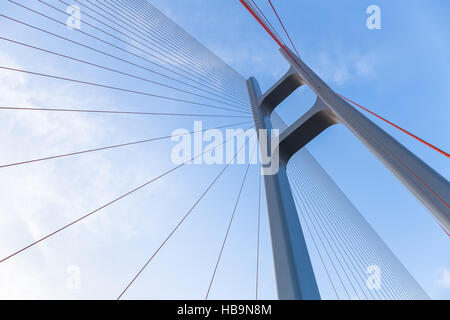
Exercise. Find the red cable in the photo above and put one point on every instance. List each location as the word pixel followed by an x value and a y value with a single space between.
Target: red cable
pixel 121 112
pixel 264 26
pixel 440 225
pixel 399 128
pixel 281 22
pixel 267 20
pixel 106 148
pixel 108 204
pixel 293 59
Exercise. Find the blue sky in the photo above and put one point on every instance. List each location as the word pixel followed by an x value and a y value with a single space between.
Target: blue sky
pixel 400 71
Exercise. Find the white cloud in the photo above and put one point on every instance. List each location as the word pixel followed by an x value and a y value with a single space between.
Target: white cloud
pixel 339 69
pixel 444 278
pixel 40 198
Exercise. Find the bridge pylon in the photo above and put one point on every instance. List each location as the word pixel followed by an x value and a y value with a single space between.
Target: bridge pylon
pixel 294 273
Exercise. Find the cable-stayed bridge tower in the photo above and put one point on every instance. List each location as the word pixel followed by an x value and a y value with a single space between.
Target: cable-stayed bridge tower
pixel 322 245
pixel 295 277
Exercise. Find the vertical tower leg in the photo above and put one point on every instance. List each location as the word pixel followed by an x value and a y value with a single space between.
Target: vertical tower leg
pixel 294 273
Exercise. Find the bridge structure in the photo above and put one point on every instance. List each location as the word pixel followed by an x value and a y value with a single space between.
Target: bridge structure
pixel 315 229
pixel 295 275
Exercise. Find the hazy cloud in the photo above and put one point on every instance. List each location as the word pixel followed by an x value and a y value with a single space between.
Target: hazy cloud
pixel 444 278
